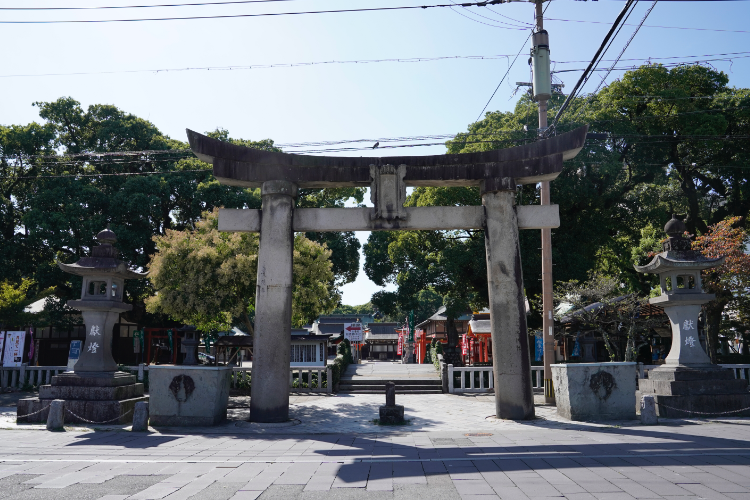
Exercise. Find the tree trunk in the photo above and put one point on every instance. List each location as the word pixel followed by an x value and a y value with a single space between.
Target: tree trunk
pixel 451 332
pixel 248 324
pixel 713 320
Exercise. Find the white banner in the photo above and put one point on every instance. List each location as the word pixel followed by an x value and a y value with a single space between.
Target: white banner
pixel 353 332
pixel 14 344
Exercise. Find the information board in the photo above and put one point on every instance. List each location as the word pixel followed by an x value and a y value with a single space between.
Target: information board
pixel 353 332
pixel 14 344
pixel 73 354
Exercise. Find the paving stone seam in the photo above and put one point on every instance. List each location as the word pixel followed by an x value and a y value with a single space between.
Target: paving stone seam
pixel 384 460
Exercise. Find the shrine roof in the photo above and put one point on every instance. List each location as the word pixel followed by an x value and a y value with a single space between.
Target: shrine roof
pixel 527 164
pixel 480 326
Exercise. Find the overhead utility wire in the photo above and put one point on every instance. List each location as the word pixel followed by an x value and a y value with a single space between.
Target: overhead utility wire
pixel 107 7
pixel 238 67
pixel 649 25
pixel 594 61
pixel 267 14
pixel 625 47
pixel 617 59
pixel 667 65
pixel 196 4
pixel 505 75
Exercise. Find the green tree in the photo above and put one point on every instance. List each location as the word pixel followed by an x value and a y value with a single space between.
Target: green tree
pixel 13 300
pixel 730 282
pixel 63 180
pixel 207 278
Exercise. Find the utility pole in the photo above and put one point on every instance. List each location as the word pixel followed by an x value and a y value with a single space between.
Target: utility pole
pixel 542 91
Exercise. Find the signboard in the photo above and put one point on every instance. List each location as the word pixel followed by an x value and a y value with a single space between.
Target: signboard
pixel 353 332
pixel 464 346
pixel 538 347
pixel 14 344
pixel 73 354
pixel 400 349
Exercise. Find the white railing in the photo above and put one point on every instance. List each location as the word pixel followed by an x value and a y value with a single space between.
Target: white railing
pixel 20 376
pixel 741 371
pixel 537 379
pixel 479 378
pixel 243 374
pixel 16 377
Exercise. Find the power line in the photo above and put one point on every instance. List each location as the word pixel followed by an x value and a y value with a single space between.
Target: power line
pixel 666 65
pixel 107 7
pixel 267 14
pixel 627 44
pixel 586 74
pixel 505 75
pixel 490 57
pixel 651 26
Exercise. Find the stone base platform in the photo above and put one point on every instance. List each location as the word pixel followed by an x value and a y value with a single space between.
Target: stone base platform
pixel 702 391
pixel 392 414
pixel 188 395
pixel 95 397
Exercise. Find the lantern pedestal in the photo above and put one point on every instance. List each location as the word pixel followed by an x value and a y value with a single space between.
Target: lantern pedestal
pixel 95 393
pixel 97 398
pixel 688 385
pixel 683 391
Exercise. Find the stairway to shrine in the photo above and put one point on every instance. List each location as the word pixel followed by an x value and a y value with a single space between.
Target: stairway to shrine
pixel 370 377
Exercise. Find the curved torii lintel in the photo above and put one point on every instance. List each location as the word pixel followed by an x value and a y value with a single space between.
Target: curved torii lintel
pixel 528 164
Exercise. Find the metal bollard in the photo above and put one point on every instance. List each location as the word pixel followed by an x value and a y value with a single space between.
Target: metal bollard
pixel 648 410
pixel 56 415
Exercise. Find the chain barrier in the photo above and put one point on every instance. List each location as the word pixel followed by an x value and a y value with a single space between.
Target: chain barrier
pixel 97 423
pixel 34 413
pixel 703 412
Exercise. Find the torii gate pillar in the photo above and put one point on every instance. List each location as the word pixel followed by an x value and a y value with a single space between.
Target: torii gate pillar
pixel 510 347
pixel 269 401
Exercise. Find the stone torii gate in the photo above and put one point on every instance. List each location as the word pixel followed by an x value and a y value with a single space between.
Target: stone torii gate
pixel 496 173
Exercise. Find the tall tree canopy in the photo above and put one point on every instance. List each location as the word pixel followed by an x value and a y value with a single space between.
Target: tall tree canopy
pixel 64 179
pixel 676 143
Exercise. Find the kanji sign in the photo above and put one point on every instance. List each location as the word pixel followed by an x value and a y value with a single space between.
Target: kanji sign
pixel 353 332
pixel 400 343
pixel 14 344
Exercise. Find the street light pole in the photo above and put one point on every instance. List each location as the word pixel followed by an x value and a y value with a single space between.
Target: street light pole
pixel 542 91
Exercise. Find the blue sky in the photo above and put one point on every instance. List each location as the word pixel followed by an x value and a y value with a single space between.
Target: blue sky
pixel 332 101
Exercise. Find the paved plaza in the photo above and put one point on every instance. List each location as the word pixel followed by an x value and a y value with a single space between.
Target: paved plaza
pixel 451 448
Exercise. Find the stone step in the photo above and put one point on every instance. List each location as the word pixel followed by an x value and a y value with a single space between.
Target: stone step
pixel 381 388
pixel 398 382
pixel 398 391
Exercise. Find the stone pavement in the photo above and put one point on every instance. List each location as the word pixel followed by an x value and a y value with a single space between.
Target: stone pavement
pixel 333 450
pixel 383 370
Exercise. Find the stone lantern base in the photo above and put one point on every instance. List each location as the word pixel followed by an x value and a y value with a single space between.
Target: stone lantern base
pixel 695 392
pixel 96 397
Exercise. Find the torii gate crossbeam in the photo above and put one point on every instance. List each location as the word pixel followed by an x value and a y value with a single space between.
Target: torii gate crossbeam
pixel 496 173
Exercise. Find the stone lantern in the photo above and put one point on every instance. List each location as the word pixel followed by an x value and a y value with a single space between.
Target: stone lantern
pixel 95 391
pixel 101 302
pixel 687 384
pixel 190 340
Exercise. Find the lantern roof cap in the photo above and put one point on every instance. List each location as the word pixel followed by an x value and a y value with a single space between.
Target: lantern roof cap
pixel 103 260
pixel 679 261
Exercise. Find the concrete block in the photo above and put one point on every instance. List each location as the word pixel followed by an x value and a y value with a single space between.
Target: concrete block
pixel 648 411
pixel 140 417
pixel 595 391
pixel 392 414
pixel 56 416
pixel 188 395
